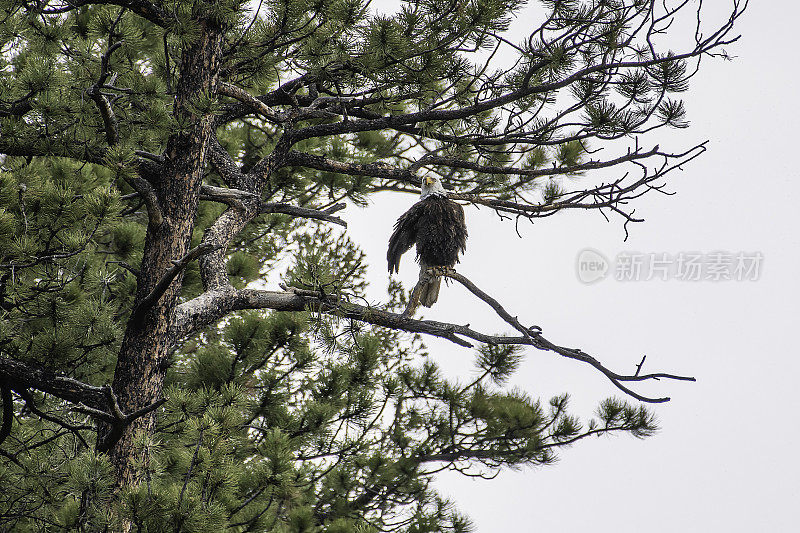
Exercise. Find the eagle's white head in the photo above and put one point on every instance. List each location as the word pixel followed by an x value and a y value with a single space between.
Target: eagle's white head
pixel 431 185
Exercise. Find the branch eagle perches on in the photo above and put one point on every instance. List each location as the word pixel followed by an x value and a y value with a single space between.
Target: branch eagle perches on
pixel 200 312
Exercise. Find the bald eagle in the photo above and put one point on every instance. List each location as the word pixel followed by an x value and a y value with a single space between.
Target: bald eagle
pixel 436 225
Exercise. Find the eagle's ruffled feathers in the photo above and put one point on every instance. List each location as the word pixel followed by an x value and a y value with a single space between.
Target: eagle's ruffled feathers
pixel 437 226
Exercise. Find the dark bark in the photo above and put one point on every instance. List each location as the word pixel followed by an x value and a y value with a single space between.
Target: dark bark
pixel 8 410
pixel 142 363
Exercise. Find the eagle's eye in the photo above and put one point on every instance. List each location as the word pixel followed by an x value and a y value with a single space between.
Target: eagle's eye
pixel 428 180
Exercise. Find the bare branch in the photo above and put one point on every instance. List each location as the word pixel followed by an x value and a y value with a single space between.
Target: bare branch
pixel 148 194
pixel 31 405
pixel 20 376
pixel 143 411
pixel 152 157
pixel 211 306
pixel 109 119
pixel 533 335
pixel 378 170
pixel 282 95
pixel 222 161
pixel 228 89
pixel 97 414
pixel 98 402
pixel 232 197
pixel 133 270
pixel 303 212
pixel 494 304
pixel 535 173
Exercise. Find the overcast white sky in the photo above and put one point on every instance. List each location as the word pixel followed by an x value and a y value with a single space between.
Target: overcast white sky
pixel 726 457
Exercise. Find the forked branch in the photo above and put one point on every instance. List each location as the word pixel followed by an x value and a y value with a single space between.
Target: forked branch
pixel 533 333
pixel 98 402
pixel 163 284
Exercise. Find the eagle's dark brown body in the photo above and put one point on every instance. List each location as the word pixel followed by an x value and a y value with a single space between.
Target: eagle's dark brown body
pixel 436 225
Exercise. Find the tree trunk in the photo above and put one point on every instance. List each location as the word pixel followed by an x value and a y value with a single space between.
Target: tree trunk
pixel 141 366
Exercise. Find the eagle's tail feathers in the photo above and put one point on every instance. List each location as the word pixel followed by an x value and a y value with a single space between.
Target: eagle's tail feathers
pixel 425 292
pixel 429 292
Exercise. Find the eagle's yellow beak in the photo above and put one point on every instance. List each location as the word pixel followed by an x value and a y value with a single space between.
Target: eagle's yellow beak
pixel 429 180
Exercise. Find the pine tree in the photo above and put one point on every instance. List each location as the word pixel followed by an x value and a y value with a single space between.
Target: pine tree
pixel 160 160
